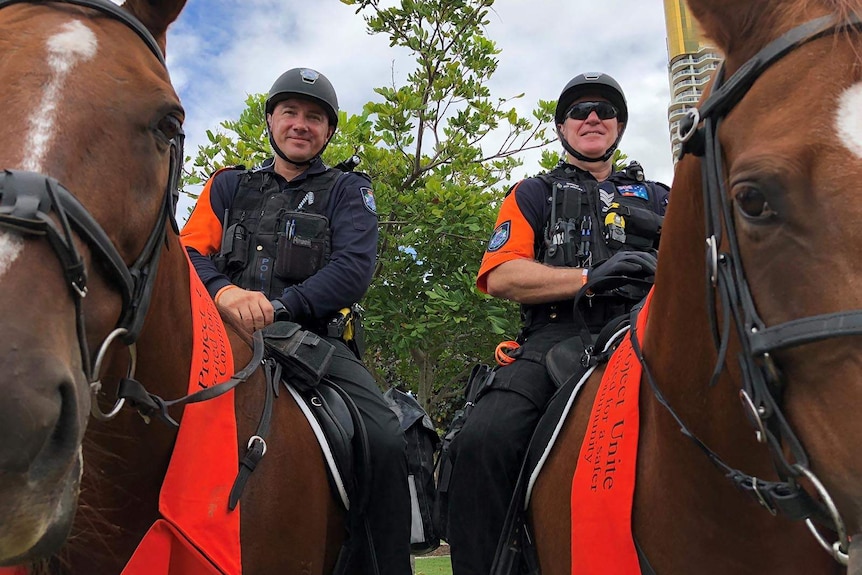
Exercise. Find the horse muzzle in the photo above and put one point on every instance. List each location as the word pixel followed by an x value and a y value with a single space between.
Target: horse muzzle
pixel 43 413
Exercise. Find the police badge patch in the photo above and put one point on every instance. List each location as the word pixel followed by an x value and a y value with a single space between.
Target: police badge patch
pixel 636 191
pixel 500 236
pixel 368 200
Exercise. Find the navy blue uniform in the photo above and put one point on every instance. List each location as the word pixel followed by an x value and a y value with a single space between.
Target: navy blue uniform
pixel 342 279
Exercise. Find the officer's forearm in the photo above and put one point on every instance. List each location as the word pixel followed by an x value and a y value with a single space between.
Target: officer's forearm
pixel 530 282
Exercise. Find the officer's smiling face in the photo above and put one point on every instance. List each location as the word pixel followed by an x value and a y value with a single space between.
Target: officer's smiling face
pixel 300 128
pixel 591 136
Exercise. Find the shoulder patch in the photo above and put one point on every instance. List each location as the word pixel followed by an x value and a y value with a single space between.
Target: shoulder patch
pixel 500 236
pixel 368 199
pixel 634 191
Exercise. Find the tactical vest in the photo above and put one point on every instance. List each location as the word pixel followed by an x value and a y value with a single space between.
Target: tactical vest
pixel 589 222
pixel 274 239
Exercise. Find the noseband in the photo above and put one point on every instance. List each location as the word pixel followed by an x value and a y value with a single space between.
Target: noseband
pixel 762 387
pixel 28 200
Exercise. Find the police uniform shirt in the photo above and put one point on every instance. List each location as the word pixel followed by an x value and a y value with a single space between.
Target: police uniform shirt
pixel 353 221
pixel 519 231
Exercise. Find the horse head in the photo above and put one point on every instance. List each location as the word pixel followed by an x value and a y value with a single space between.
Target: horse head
pixel 90 148
pixel 770 154
pixel 750 346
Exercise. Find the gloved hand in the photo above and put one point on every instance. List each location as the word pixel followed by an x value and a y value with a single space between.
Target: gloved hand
pixel 619 269
pixel 279 311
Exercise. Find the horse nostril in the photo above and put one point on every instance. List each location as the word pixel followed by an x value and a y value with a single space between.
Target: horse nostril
pixel 64 436
pixel 39 420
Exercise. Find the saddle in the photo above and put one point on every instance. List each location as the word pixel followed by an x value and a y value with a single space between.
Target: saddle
pixel 303 358
pixel 299 360
pixel 570 364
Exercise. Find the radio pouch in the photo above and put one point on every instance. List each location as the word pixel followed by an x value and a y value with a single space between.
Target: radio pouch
pixel 304 355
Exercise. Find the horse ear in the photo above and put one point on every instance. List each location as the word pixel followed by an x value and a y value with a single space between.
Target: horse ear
pixel 745 25
pixel 156 15
pixel 718 20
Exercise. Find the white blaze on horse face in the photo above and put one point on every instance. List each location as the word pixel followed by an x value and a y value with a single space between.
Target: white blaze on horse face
pixel 11 246
pixel 848 120
pixel 75 43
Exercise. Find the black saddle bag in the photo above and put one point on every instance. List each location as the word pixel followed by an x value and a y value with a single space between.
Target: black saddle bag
pixel 422 442
pixel 304 355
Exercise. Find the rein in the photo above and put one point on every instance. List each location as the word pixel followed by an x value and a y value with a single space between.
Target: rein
pixel 761 393
pixel 28 200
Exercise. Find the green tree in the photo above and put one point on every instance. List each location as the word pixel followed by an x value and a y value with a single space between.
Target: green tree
pixel 438 182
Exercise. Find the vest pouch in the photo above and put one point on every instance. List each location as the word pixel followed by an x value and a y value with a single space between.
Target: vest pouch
pixel 234 250
pixel 237 254
pixel 304 355
pixel 643 226
pixel 303 246
pixel 562 245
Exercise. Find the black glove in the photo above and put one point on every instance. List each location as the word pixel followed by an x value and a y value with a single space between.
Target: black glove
pixel 281 312
pixel 622 268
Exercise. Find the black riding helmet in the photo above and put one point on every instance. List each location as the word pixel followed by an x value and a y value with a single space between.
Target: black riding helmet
pixel 592 83
pixel 307 84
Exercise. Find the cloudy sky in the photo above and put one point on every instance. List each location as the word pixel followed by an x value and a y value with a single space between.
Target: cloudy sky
pixel 219 51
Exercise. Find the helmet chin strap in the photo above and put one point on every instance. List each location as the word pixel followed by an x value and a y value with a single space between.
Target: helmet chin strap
pixel 575 154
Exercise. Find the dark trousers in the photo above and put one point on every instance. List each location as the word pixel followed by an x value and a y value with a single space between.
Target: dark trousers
pixel 388 509
pixel 488 452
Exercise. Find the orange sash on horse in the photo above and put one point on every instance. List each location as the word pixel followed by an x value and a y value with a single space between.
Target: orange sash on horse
pixel 198 535
pixel 604 482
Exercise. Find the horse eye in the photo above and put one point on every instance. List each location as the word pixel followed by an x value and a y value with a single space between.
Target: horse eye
pixel 752 203
pixel 170 126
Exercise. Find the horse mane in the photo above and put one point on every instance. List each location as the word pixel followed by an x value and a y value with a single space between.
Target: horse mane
pixel 743 26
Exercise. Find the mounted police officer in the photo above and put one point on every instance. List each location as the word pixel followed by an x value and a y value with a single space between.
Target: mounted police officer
pixel 579 224
pixel 296 240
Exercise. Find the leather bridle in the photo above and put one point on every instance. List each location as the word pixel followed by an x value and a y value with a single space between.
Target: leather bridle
pixel 28 200
pixel 762 386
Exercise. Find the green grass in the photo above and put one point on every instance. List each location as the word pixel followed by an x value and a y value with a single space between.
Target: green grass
pixel 433 566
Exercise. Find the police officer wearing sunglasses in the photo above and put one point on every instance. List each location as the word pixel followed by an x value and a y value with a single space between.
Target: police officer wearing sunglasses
pixel 583 225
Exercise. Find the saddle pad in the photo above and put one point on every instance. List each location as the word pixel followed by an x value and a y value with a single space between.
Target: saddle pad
pixel 319 434
pixel 204 464
pixel 604 482
pixel 552 420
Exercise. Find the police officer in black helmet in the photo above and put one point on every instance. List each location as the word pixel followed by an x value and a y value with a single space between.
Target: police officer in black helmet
pixel 583 225
pixel 296 240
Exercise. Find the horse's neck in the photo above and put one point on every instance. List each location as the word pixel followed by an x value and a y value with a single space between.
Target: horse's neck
pixel 165 345
pixel 125 459
pixel 678 487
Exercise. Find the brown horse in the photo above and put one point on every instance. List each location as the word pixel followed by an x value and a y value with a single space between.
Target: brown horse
pixel 771 310
pixel 90 140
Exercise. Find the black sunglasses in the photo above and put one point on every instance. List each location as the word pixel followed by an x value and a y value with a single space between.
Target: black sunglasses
pixel 582 110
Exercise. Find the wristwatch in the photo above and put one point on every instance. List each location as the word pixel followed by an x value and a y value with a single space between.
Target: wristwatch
pixel 281 312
